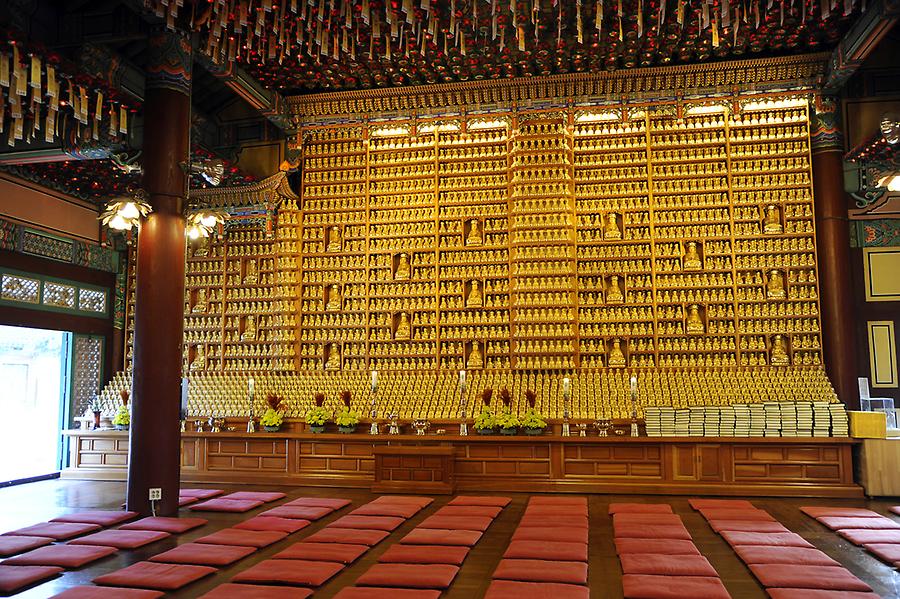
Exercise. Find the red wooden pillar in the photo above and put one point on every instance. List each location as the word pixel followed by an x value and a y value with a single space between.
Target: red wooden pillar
pixel 155 447
pixel 833 240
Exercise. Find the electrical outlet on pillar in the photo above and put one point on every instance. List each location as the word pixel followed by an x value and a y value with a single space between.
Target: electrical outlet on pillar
pixel 155 494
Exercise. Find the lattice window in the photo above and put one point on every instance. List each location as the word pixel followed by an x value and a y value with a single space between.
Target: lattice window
pixel 87 370
pixel 59 295
pixel 20 289
pixel 91 300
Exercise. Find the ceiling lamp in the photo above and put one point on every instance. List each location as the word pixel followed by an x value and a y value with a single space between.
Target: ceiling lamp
pixel 200 223
pixel 890 127
pixel 123 214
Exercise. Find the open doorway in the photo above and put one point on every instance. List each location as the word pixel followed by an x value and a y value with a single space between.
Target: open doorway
pixel 34 366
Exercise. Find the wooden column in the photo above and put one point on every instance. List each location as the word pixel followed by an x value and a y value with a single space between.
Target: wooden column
pixel 159 294
pixel 833 239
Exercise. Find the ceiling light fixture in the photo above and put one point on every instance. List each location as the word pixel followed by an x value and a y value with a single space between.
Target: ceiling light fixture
pixel 124 214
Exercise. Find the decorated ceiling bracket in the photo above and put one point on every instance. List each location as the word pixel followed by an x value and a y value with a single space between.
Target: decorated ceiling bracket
pixel 878 18
pixel 256 203
pixel 872 173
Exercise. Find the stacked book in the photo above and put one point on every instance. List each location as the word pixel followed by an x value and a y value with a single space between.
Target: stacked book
pixel 741 420
pixel 772 412
pixel 821 419
pixel 788 419
pixel 804 420
pixel 840 423
pixel 727 421
pixel 772 419
pixel 757 420
pixel 667 421
pixel 682 423
pixel 653 422
pixel 696 420
pixel 712 422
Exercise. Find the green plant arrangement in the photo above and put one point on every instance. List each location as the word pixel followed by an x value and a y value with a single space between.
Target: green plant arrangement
pixel 274 416
pixel 485 423
pixel 317 416
pixel 346 419
pixel 122 419
pixel 532 422
pixel 506 420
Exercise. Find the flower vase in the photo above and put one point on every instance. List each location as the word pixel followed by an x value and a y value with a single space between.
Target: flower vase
pixel 271 429
pixel 121 427
pixel 97 415
pixel 347 429
pixel 317 428
pixel 485 431
pixel 534 431
pixel 508 431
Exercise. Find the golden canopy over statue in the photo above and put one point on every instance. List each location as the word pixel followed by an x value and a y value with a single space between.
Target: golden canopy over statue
pixel 475 360
pixel 474 237
pixel 694 322
pixel 775 285
pixel 474 299
pixel 252 274
pixel 335 301
pixel 403 271
pixel 334 358
pixel 611 228
pixel 779 354
pixel 616 357
pixel 691 260
pixel 199 361
pixel 772 221
pixel 614 293
pixel 403 328
pixel 335 241
pixel 200 306
pixel 249 333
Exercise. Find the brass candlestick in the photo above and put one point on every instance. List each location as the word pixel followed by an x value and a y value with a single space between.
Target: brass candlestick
pixel 566 393
pixel 251 425
pixel 373 412
pixel 634 425
pixel 463 427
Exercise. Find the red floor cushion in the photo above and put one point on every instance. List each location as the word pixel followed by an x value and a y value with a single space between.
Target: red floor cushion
pixel 648 586
pixel 728 504
pixel 888 552
pixel 632 530
pixel 347 535
pixel 397 510
pixel 294 572
pixel 836 523
pixel 58 531
pixel 660 546
pixel 437 536
pixel 479 523
pixel 799 556
pixel 288 525
pixel 184 501
pixel 513 589
pixel 386 593
pixel 256 591
pixel 62 556
pixel 548 550
pixel 531 570
pixel 386 523
pixel 830 578
pixel 246 538
pixel 13 545
pixel 91 592
pixel 865 537
pixel 298 512
pixel 561 520
pixel 485 511
pixel 98 517
pixel 558 500
pixel 15 578
pixel 664 519
pixel 330 502
pixel 761 526
pixel 547 533
pixel 264 496
pixel 200 493
pixel 640 508
pixel 170 525
pixel 203 554
pixel 122 539
pixel 410 576
pixel 895 510
pixel 341 553
pixel 417 500
pixel 839 512
pixel 151 575
pixel 219 504
pixel 819 594
pixel 480 500
pixel 552 512
pixel 666 565
pixel 740 514
pixel 425 554
pixel 778 539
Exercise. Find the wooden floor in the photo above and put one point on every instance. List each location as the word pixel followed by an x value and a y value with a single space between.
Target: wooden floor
pixel 28 504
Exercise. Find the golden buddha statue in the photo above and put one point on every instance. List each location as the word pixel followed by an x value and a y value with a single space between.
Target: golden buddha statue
pixel 403 270
pixel 402 331
pixel 616 357
pixel 611 228
pixel 475 360
pixel 474 299
pixel 252 275
pixel 199 361
pixel 613 291
pixel 694 323
pixel 200 306
pixel 691 259
pixel 249 333
pixel 474 237
pixel 779 355
pixel 334 358
pixel 775 285
pixel 772 221
pixel 335 241
pixel 335 301
pixel 202 249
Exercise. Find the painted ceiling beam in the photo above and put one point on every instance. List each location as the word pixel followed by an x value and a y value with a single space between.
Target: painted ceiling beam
pixel 873 24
